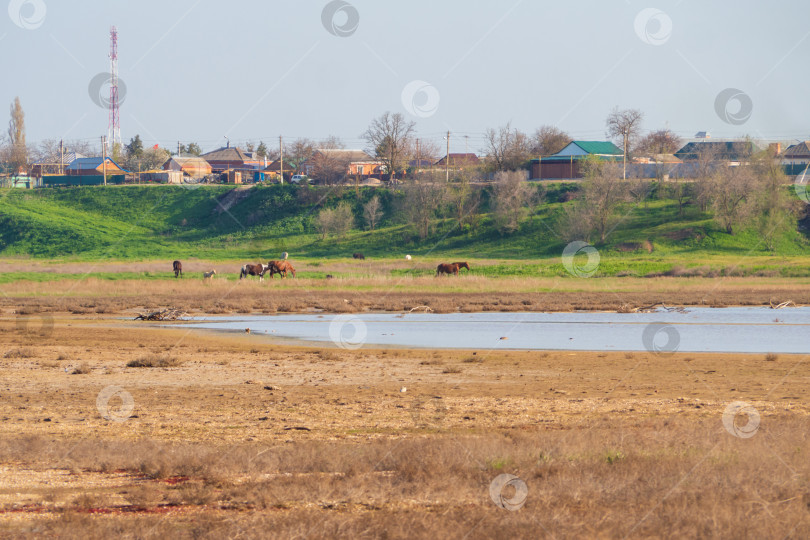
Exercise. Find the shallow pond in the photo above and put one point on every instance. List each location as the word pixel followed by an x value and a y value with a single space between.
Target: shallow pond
pixel 744 329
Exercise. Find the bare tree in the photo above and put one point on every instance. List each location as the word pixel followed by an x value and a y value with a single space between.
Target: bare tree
pixel 47 151
pixel 776 210
pixel 423 150
pixel 153 158
pixel 733 196
pixel 465 200
pixel 602 193
pixel 336 221
pixel 84 148
pixel 663 141
pixel 656 144
pixel 301 150
pixel 324 220
pixel 372 212
pixel 703 167
pixel 18 151
pixel 549 140
pixel 332 142
pixel 423 198
pixel 639 189
pixel 507 148
pixel 682 192
pixel 575 222
pixel 624 126
pixel 330 165
pixel 389 138
pixel 512 196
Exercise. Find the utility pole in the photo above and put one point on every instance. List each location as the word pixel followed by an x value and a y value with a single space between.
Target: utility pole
pixel 281 154
pixel 447 160
pixel 466 140
pixel 418 160
pixel 104 158
pixel 624 164
pixel 178 148
pixel 61 156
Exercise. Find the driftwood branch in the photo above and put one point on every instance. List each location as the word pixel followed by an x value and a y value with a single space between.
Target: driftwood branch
pixel 653 307
pixel 169 314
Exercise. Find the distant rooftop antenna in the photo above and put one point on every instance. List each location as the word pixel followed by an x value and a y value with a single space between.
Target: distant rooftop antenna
pixel 114 129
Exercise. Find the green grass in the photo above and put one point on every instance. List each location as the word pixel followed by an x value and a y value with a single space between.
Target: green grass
pixel 166 222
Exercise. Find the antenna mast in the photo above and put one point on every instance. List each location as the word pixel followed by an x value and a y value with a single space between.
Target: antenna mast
pixel 114 129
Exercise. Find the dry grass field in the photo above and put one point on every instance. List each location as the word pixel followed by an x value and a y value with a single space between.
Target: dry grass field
pixel 118 428
pixel 364 286
pixel 113 427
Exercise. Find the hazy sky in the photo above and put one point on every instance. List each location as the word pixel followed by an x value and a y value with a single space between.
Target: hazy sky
pixel 197 70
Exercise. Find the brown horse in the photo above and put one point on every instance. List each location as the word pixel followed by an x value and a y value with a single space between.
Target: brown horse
pixel 451 268
pixel 280 267
pixel 177 268
pixel 253 270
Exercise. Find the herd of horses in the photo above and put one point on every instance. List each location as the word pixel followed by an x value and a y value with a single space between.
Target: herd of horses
pixel 283 267
pixel 274 267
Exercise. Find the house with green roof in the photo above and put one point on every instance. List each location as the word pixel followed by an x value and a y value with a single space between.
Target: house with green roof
pixel 565 163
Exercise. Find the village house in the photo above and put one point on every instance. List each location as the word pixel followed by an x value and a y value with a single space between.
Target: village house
pixel 231 157
pixel 90 166
pixel 458 161
pixel 797 154
pixel 731 151
pixel 359 165
pixel 191 166
pixel 566 162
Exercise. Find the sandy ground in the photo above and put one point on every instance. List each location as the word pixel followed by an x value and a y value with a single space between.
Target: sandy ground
pixel 84 444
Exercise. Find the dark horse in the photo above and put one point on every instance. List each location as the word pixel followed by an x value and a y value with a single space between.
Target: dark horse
pixel 280 267
pixel 359 256
pixel 177 268
pixel 253 270
pixel 451 268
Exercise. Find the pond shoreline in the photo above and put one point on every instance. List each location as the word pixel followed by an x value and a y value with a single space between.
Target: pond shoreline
pixel 720 330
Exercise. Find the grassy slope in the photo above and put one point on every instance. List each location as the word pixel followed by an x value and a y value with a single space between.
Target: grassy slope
pixel 139 223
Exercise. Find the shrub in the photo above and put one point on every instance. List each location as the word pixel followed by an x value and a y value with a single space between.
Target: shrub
pixel 154 360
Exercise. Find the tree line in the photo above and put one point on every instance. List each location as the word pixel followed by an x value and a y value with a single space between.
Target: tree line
pixel 754 195
pixel 389 138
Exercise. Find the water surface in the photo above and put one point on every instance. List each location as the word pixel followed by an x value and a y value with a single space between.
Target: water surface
pixel 744 329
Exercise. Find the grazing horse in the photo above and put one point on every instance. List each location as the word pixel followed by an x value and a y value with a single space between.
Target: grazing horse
pixel 177 268
pixel 253 270
pixel 359 256
pixel 451 268
pixel 280 267
pixel 209 275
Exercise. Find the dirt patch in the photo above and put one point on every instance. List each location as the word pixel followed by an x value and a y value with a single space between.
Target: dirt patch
pixel 254 439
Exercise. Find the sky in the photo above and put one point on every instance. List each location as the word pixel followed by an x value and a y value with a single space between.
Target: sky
pixel 254 70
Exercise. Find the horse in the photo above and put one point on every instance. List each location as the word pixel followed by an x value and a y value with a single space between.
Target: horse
pixel 177 268
pixel 451 268
pixel 253 270
pixel 280 267
pixel 359 256
pixel 209 275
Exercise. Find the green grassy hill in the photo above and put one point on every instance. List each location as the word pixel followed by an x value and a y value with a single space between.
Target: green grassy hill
pixel 151 222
